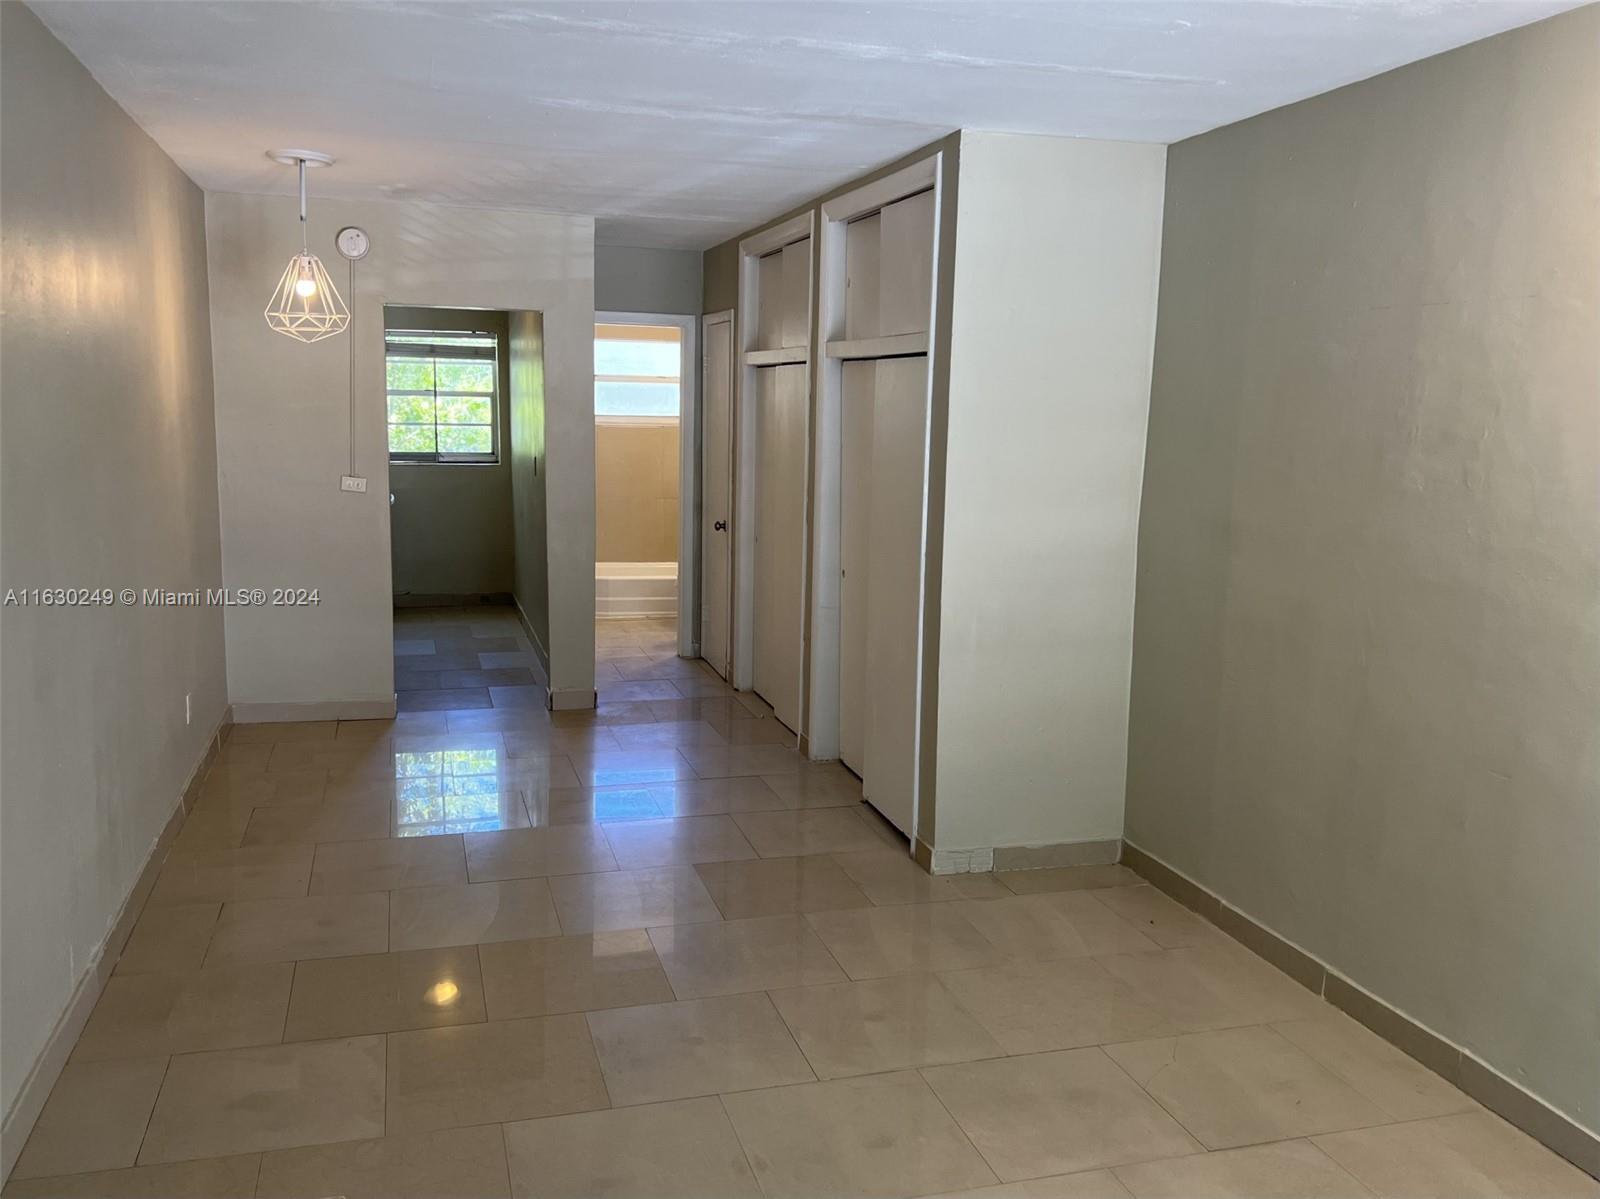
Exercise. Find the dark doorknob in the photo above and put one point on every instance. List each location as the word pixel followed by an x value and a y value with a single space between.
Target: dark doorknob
pixel 721 526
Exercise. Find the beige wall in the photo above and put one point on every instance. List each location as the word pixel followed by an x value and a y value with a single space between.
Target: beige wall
pixel 282 432
pixel 450 526
pixel 109 480
pixel 636 493
pixel 1367 651
pixel 1057 253
pixel 636 279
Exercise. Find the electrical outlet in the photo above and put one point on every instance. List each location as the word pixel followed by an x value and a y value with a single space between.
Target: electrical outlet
pixel 352 483
pixel 188 709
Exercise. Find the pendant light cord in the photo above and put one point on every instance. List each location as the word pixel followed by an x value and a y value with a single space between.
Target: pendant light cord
pixel 304 244
pixel 350 358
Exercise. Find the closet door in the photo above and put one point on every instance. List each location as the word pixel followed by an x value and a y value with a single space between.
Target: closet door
pixel 795 304
pixel 858 382
pixel 716 536
pixel 780 536
pixel 894 585
pixel 905 258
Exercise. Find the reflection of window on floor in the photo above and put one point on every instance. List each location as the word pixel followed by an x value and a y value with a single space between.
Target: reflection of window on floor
pixel 449 791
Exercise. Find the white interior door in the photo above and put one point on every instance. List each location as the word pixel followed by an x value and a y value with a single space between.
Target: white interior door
pixel 780 412
pixel 857 384
pixel 894 586
pixel 716 539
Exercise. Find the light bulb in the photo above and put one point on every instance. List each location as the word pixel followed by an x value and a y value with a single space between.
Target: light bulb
pixel 305 286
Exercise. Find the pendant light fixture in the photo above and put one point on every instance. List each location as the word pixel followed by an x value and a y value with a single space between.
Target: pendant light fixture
pixel 305 306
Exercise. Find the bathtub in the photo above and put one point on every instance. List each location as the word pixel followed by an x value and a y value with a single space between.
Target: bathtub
pixel 635 589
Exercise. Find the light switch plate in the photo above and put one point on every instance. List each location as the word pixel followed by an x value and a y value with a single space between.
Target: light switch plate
pixel 352 483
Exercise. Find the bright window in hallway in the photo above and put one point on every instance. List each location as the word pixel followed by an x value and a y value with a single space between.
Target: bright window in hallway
pixel 637 373
pixel 441 394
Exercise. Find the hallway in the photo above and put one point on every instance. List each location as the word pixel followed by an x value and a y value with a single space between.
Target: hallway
pixel 649 950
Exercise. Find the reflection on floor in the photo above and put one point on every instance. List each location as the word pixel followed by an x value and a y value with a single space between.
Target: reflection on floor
pixel 483 950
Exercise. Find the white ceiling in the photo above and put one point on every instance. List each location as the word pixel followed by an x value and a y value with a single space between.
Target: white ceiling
pixel 683 123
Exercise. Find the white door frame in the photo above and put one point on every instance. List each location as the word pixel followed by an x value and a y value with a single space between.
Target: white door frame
pixel 688 457
pixel 826 533
pixel 751 249
pixel 725 317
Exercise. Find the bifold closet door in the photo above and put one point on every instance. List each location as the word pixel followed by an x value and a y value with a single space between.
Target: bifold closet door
pixel 716 536
pixel 858 381
pixel 885 433
pixel 780 535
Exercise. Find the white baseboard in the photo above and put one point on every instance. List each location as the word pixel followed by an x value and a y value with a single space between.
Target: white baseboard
pixel 982 859
pixel 330 709
pixel 47 1066
pixel 571 701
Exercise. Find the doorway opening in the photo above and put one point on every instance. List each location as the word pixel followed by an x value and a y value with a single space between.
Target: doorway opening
pixel 646 534
pixel 453 522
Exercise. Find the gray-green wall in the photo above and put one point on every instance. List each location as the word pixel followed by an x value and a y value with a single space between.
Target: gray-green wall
pixel 450 526
pixel 1366 681
pixel 110 480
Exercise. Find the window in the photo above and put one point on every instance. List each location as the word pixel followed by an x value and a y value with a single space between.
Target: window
pixel 443 401
pixel 637 372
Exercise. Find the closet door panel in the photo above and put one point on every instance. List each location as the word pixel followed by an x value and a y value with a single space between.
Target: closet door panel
pixel 717 492
pixel 769 302
pixel 861 247
pixel 858 383
pixel 796 296
pixel 780 535
pixel 894 587
pixel 906 250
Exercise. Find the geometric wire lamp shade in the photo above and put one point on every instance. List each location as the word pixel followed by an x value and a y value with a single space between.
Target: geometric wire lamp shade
pixel 306 305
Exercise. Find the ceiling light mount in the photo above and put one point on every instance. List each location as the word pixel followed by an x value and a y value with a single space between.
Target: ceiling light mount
pixel 305 305
pixel 312 158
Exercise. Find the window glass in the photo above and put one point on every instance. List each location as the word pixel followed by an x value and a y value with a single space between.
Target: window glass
pixel 637 371
pixel 442 396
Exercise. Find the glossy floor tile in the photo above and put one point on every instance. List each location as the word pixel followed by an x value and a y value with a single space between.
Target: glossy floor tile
pixel 696 1047
pixel 779 886
pixel 1056 1113
pixel 94 1119
pixel 1242 1086
pixel 880 1025
pixel 787 834
pixel 583 973
pixel 208 1178
pixel 873 942
pixel 287 930
pixel 1038 1006
pixel 883 1135
pixel 1475 1154
pixel 471 914
pixel 537 852
pixel 491 1073
pixel 345 867
pixel 240 1100
pixel 1066 925
pixel 156 1015
pixel 632 899
pixel 457 1163
pixel 682 1148
pixel 729 957
pixel 1287 1168
pixel 1402 1087
pixel 488 950
pixel 169 940
pixel 384 992
pixel 680 841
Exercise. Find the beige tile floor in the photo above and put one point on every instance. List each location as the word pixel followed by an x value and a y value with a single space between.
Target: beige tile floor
pixel 482 950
